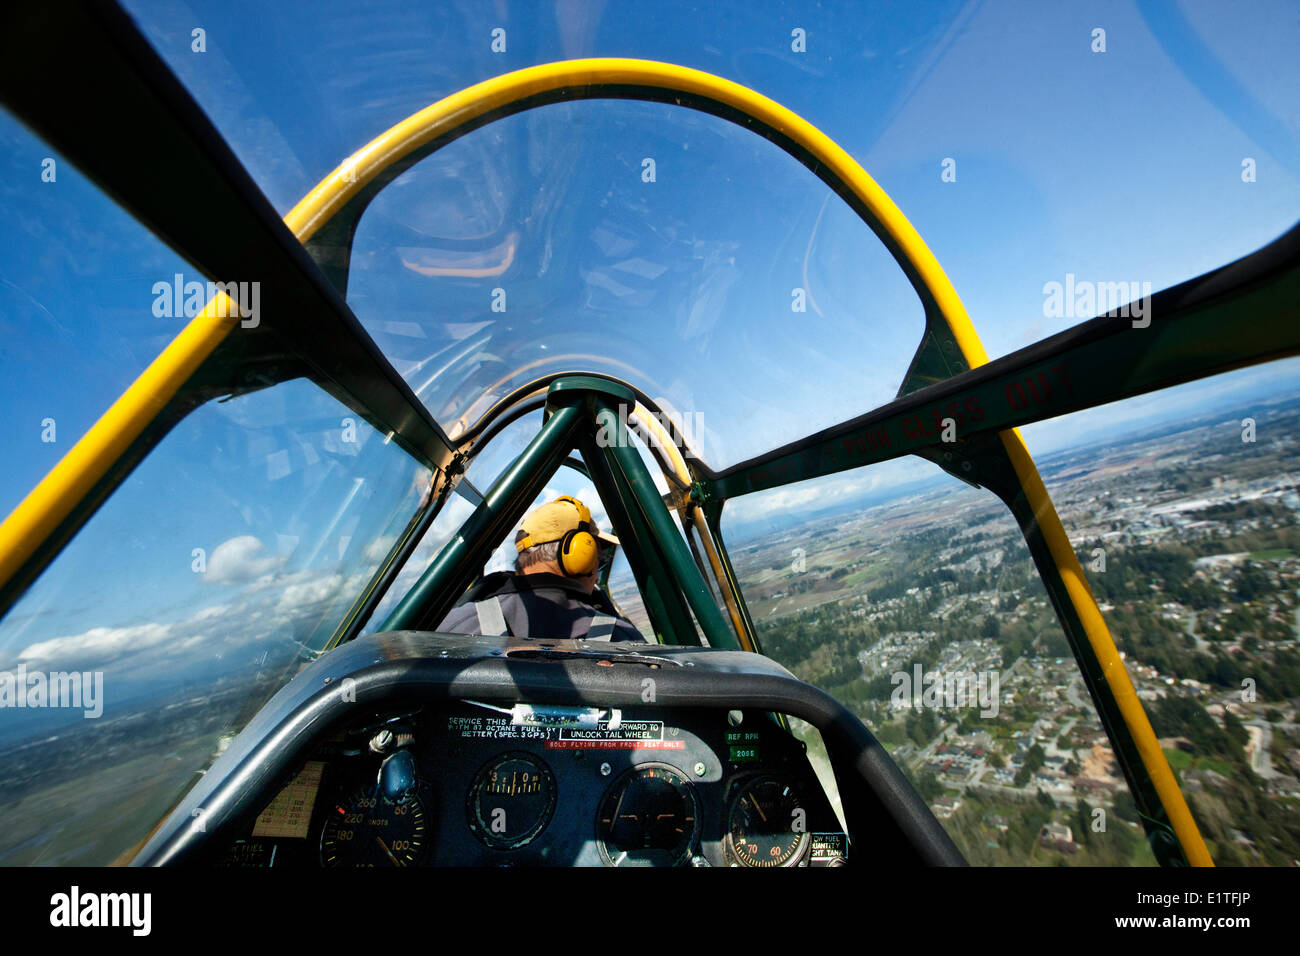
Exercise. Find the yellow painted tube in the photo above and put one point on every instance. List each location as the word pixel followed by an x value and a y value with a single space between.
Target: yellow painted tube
pixel 53 499
pixel 719 574
pixel 340 186
pixel 89 460
pixel 674 456
pixel 1103 646
pixel 647 420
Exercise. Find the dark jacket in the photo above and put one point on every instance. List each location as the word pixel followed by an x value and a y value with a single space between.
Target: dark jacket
pixel 538 605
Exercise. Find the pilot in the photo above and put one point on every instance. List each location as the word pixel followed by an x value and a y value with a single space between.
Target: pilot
pixel 553 593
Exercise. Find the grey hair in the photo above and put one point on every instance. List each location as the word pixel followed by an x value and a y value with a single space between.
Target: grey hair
pixel 548 553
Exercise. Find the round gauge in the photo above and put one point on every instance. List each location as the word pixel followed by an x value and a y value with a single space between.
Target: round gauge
pixel 649 817
pixel 767 826
pixel 511 801
pixel 367 829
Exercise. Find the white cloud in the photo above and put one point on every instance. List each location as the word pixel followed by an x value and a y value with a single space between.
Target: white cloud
pixel 378 549
pixel 98 645
pixel 824 492
pixel 239 560
pixel 309 591
pixel 272 613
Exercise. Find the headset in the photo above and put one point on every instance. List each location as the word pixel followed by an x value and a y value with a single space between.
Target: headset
pixel 579 550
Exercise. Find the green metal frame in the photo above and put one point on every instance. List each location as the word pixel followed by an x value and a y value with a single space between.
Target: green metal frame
pixel 455 566
pixel 628 465
pixel 1100 361
pixel 670 617
pixel 579 408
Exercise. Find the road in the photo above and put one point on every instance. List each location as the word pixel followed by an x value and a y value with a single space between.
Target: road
pixel 1260 762
pixel 1201 643
pixel 1073 693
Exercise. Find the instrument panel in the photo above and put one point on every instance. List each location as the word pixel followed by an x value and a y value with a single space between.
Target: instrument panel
pixel 483 785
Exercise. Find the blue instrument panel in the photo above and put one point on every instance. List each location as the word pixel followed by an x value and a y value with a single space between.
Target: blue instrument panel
pixel 482 785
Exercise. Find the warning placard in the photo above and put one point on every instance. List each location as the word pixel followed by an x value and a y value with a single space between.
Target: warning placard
pixel 628 735
pixel 289 814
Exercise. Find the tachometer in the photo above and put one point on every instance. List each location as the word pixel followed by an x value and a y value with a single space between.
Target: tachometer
pixel 370 830
pixel 649 817
pixel 767 826
pixel 511 801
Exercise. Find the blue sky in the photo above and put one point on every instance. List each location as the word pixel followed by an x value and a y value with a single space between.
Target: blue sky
pixel 1123 165
pixel 243 537
pixel 1114 166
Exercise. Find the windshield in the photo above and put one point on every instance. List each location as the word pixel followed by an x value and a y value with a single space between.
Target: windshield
pixel 223 564
pixel 1025 146
pixel 77 316
pixel 660 245
pixel 1034 151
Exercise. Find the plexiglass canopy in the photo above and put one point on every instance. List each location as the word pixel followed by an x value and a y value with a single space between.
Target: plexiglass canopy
pixel 545 242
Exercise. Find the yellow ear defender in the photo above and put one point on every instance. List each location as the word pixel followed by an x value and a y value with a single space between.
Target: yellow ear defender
pixel 579 553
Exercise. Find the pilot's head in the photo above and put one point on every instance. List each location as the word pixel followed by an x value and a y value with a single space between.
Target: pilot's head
pixel 561 538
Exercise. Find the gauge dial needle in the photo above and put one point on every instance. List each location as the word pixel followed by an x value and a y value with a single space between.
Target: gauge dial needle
pixel 754 804
pixel 384 846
